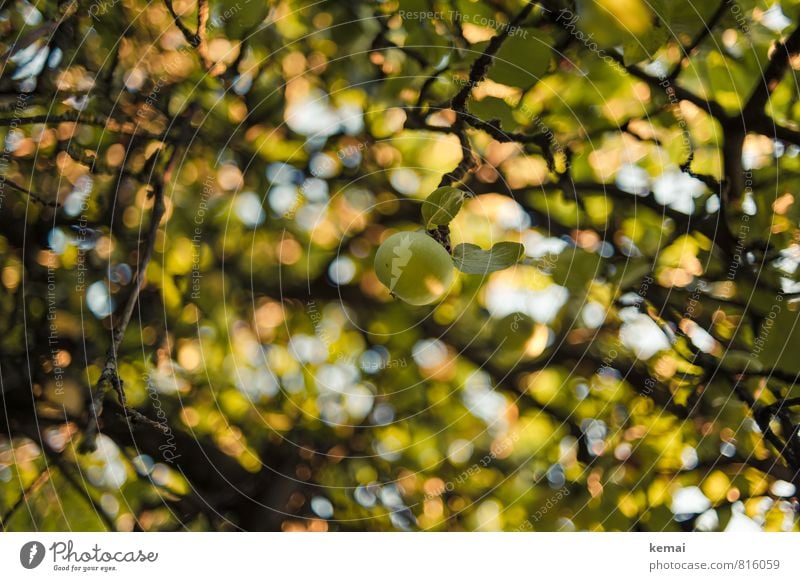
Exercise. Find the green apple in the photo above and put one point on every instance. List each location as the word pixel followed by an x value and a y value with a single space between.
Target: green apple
pixel 414 267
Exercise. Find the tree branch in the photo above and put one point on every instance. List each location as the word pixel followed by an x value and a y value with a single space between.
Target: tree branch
pixel 458 103
pixel 190 36
pixel 665 84
pixel 778 64
pixel 32 195
pixel 481 66
pixel 196 39
pixel 707 28
pixel 762 417
pixel 110 374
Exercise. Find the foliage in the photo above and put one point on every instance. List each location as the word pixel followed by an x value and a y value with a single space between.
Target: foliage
pixel 192 334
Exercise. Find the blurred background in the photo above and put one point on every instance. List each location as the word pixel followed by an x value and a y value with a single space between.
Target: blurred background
pixel 192 335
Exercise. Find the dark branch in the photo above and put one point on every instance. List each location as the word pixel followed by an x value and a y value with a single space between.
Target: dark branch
pixel 32 195
pixel 481 66
pixel 110 374
pixel 707 28
pixel 778 64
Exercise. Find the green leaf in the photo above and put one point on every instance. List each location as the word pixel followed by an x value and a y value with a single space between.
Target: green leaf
pixel 442 206
pixel 645 47
pixel 239 19
pixel 779 332
pixel 575 267
pixel 469 11
pixel 523 59
pixel 472 259
pixel 492 108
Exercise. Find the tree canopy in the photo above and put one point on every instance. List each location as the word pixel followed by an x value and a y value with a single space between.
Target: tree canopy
pixel 195 332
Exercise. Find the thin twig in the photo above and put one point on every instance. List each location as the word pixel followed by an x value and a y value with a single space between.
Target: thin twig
pixel 32 195
pixel 190 36
pixel 197 39
pixel 495 129
pixel 458 103
pixel 110 375
pixel 707 28
pixel 464 166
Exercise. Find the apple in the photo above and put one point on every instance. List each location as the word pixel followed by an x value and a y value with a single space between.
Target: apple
pixel 414 267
